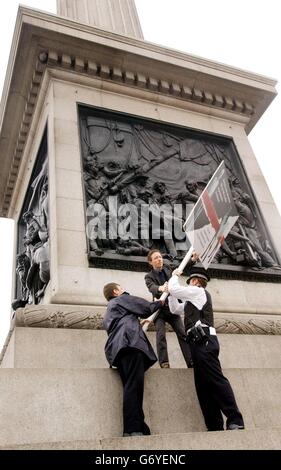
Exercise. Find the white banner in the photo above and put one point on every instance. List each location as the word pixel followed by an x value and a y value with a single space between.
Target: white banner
pixel 212 217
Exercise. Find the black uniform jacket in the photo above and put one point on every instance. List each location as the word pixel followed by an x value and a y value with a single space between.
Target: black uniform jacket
pixel 124 329
pixel 192 314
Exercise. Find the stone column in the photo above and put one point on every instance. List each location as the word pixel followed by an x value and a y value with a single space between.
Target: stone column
pixel 119 16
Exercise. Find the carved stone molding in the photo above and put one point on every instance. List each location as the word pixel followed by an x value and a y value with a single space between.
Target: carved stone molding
pixel 62 316
pixel 248 325
pixel 154 84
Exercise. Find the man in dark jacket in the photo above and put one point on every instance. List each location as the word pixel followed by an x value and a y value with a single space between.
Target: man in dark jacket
pixel 156 282
pixel 128 349
pixel 213 389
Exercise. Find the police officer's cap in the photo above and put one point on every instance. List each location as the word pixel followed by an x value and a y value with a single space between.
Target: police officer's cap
pixel 198 272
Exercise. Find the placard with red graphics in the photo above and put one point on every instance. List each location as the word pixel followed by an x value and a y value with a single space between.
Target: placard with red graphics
pixel 212 217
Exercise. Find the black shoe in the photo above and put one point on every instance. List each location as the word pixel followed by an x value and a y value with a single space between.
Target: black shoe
pixel 132 434
pixel 233 426
pixel 146 430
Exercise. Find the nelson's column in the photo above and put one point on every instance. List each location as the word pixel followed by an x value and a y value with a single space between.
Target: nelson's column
pixel 97 122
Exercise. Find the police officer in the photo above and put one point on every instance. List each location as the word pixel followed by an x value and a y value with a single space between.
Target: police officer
pixel 213 389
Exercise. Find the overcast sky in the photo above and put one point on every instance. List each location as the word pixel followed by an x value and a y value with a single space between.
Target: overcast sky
pixel 242 33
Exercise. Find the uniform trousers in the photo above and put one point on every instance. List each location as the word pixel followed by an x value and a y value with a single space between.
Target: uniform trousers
pixel 131 367
pixel 213 389
pixel 161 343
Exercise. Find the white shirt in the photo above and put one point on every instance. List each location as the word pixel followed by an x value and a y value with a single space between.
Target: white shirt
pixel 194 294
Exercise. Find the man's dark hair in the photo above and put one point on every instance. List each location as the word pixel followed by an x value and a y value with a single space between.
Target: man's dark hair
pixel 151 252
pixel 108 290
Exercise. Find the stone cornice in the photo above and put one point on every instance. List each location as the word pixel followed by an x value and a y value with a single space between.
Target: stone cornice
pixel 24 128
pixel 95 33
pixel 42 40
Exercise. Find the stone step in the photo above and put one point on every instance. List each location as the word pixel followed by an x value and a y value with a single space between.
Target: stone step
pixel 254 439
pixel 70 348
pixel 53 405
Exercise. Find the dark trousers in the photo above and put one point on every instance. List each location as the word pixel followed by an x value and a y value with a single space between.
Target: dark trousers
pixel 214 391
pixel 131 367
pixel 161 343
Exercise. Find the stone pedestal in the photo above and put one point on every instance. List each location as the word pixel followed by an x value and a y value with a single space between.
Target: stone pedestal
pixel 64 395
